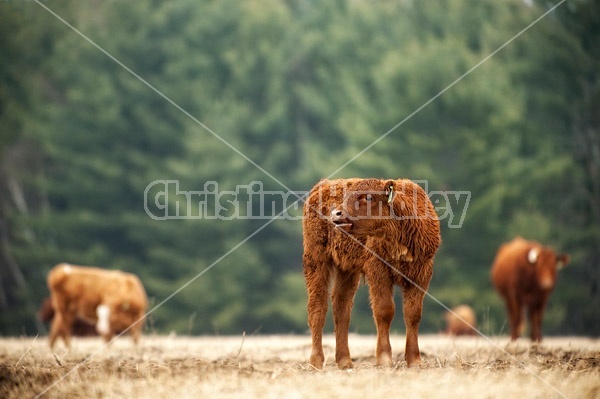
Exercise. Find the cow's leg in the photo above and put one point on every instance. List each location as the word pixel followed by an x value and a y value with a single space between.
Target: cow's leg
pixel 412 302
pixel 56 329
pixel 381 291
pixel 515 316
pixel 136 334
pixel 136 329
pixel 317 287
pixel 536 314
pixel 53 331
pixel 344 289
pixel 107 337
pixel 62 323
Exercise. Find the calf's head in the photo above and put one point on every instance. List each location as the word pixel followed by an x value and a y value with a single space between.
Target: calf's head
pixel 366 209
pixel 546 263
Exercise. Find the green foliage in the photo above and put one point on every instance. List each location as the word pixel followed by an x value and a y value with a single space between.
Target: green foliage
pixel 300 89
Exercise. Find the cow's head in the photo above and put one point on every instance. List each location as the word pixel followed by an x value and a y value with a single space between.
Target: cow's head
pixel 546 263
pixel 118 316
pixel 366 209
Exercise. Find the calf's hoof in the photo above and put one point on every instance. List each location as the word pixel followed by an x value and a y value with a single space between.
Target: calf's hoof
pixel 384 360
pixel 413 363
pixel 317 361
pixel 345 363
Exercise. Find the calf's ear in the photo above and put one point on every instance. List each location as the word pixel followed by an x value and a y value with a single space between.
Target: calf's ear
pixel 562 260
pixel 390 191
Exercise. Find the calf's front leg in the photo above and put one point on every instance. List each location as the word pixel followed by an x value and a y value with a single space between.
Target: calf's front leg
pixel 317 287
pixel 381 290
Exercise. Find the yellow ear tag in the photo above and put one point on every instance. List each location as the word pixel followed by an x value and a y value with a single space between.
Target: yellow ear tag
pixel 390 194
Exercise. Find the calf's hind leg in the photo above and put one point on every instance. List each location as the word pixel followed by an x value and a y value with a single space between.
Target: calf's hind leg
pixel 344 289
pixel 412 301
pixel 413 293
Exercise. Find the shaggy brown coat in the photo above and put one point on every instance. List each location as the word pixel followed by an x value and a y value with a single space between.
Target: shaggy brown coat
pixel 79 292
pixel 524 274
pixel 386 230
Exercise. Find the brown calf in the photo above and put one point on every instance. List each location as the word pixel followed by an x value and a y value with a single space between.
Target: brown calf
pixel 524 274
pixel 385 229
pixel 461 321
pixel 112 300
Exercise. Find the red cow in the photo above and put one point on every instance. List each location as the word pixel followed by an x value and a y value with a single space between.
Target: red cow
pixel 385 229
pixel 524 274
pixel 112 300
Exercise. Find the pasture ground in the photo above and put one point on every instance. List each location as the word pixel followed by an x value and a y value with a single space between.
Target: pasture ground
pixel 277 367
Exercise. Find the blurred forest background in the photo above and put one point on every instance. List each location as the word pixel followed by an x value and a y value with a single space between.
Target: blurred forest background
pixel 300 87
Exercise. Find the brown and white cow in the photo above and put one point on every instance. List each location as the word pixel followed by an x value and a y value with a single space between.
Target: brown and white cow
pixel 524 274
pixel 112 300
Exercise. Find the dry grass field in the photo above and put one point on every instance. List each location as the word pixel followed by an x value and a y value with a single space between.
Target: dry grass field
pixel 277 367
